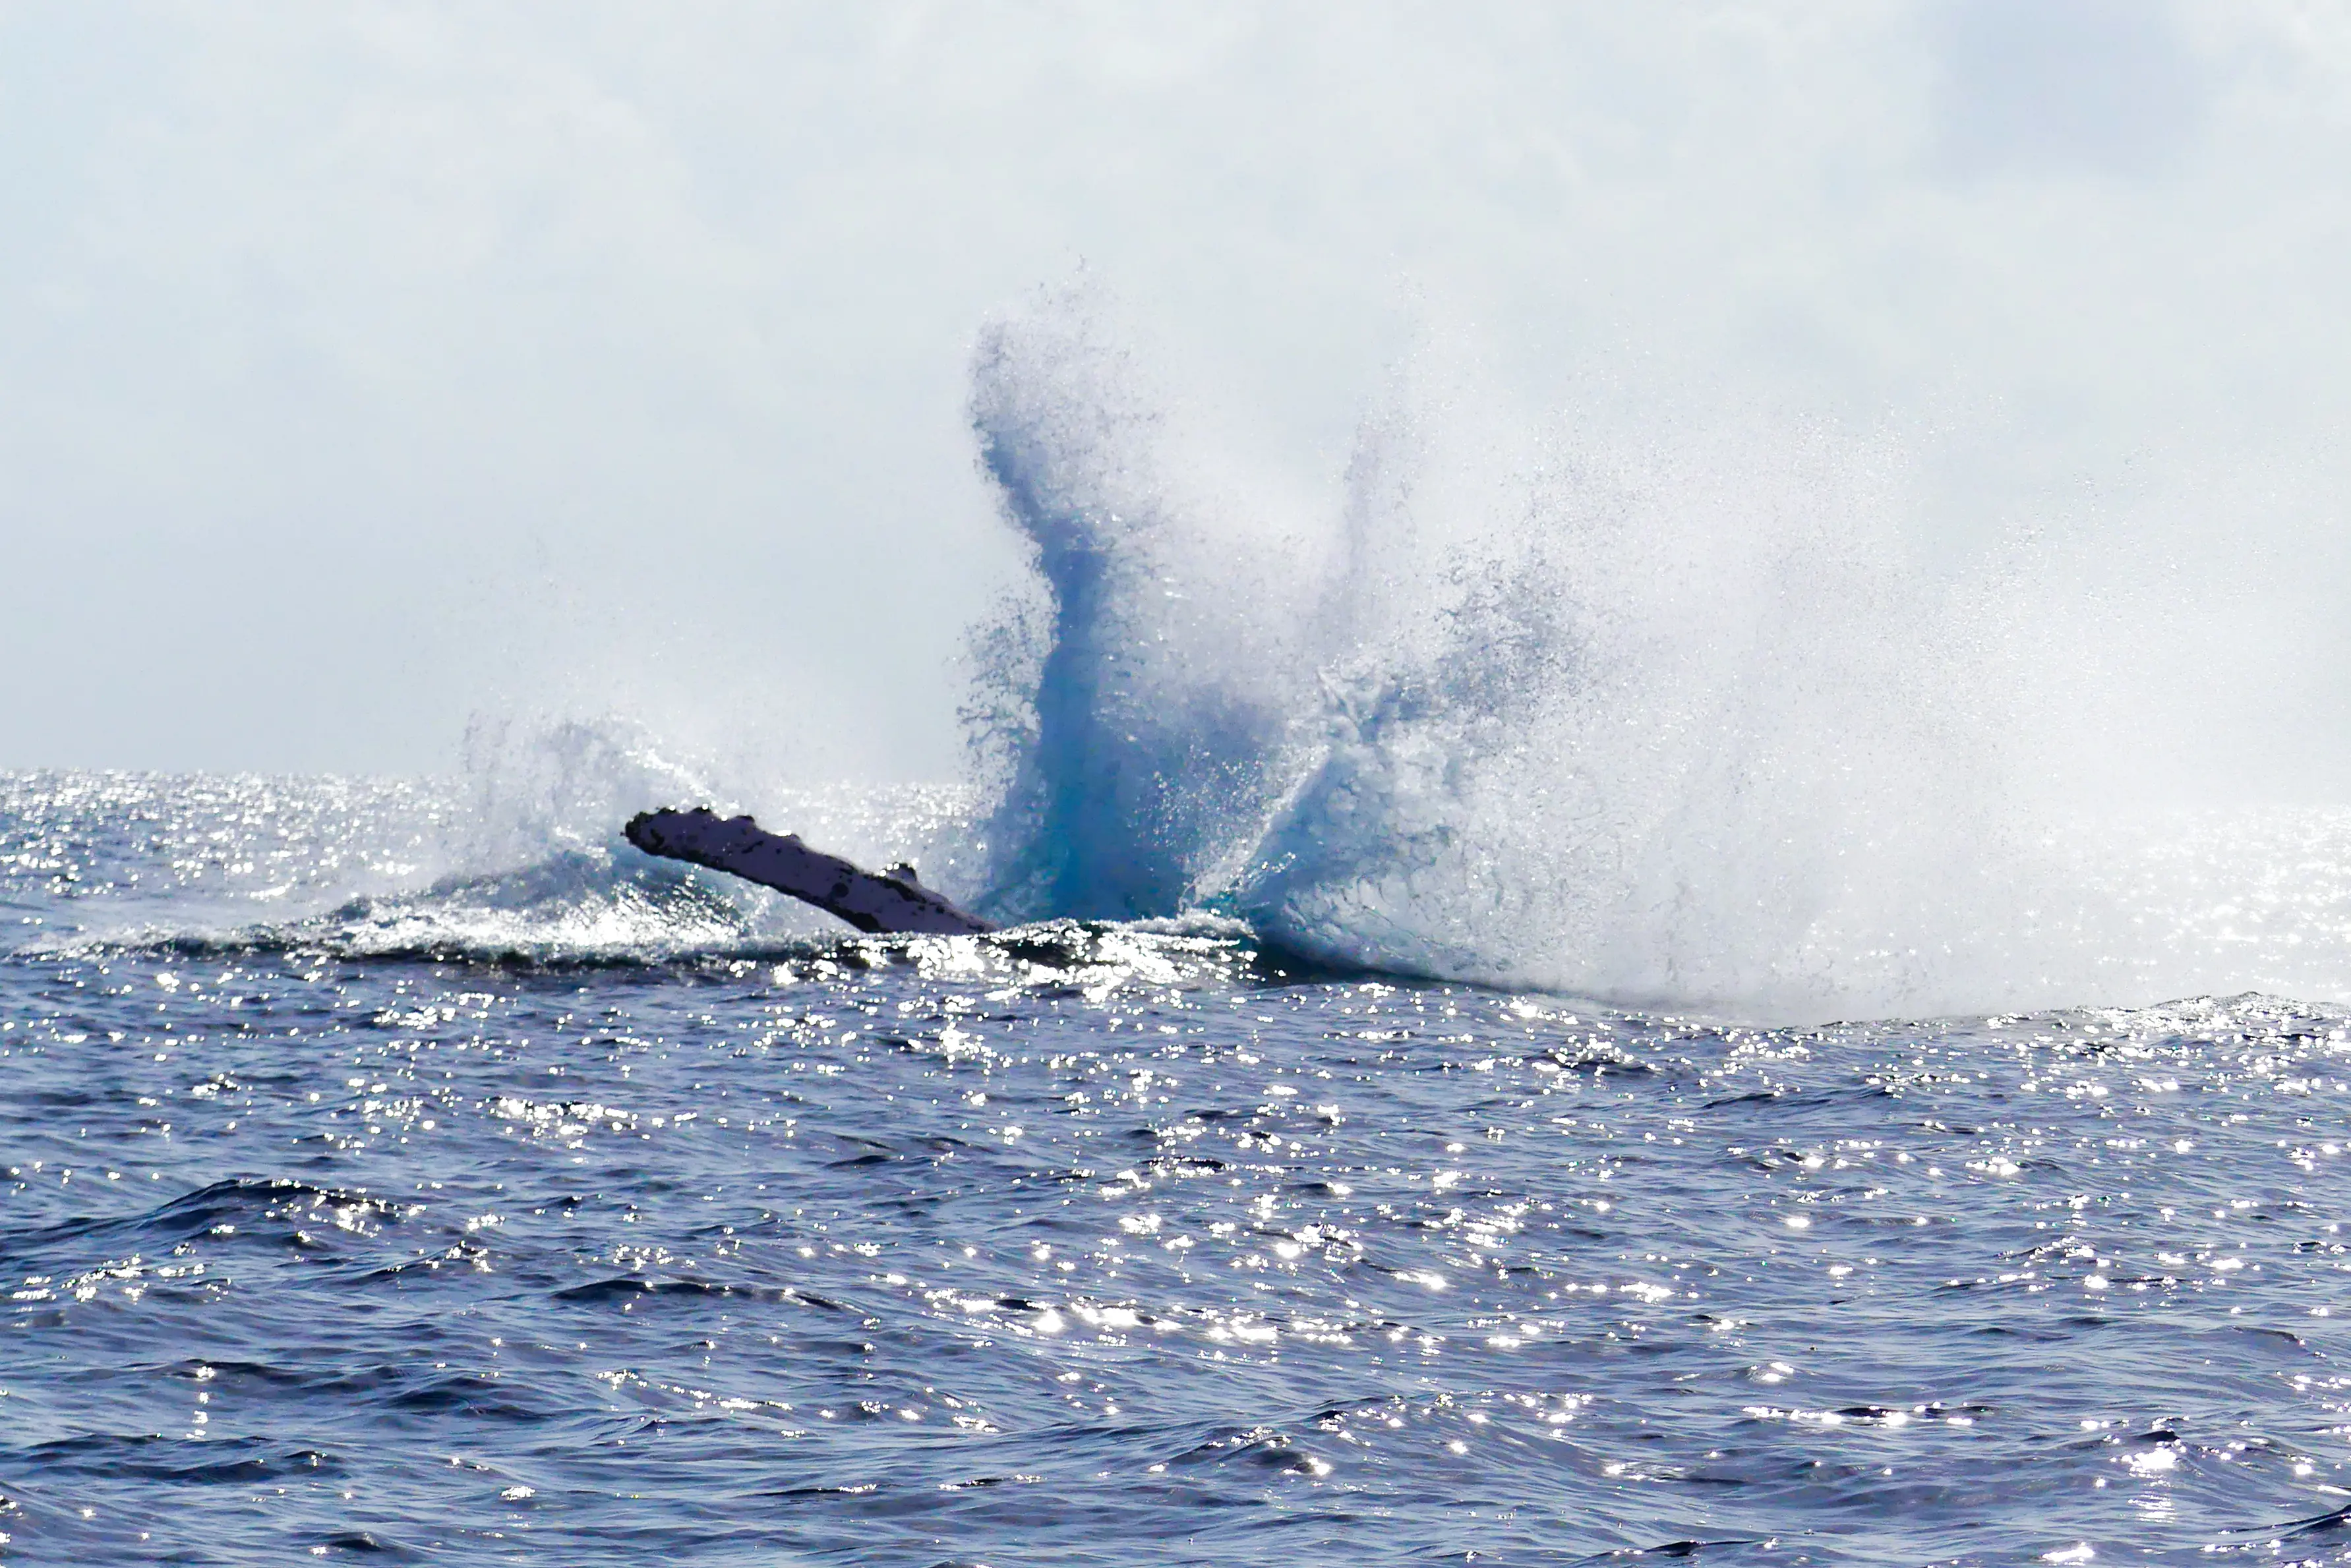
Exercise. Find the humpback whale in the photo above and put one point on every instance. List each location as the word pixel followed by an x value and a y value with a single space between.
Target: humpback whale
pixel 892 902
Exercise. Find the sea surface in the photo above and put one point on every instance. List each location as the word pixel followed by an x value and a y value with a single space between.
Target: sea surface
pixel 589 1211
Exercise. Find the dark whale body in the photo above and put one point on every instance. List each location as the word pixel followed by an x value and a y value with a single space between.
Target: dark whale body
pixel 888 902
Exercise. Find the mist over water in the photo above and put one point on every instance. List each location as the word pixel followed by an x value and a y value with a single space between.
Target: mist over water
pixel 1663 710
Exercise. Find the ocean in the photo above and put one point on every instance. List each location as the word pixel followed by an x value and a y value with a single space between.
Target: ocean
pixel 589 1213
pixel 1587 1011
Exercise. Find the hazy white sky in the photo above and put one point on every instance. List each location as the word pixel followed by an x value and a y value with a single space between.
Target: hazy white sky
pixel 364 366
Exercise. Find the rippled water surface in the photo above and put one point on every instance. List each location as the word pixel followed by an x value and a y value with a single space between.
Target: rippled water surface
pixel 578 1217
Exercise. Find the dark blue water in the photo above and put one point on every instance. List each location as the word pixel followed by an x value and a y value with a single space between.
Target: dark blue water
pixel 395 1231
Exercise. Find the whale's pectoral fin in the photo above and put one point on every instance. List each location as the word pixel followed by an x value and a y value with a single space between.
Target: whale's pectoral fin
pixel 895 901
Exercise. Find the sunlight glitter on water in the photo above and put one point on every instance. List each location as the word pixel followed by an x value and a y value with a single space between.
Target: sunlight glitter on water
pixel 1117 1245
pixel 1397 1231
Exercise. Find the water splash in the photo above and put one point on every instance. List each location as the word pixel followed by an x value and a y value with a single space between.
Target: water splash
pixel 1665 714
pixel 1140 742
pixel 520 857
